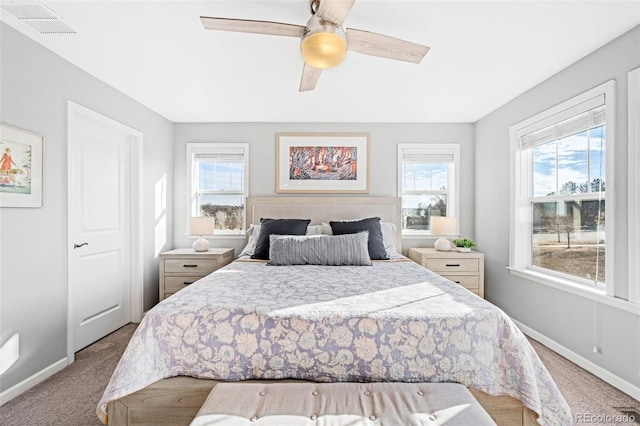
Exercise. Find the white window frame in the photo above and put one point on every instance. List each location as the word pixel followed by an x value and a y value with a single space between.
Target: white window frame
pixel 634 185
pixel 453 183
pixel 521 186
pixel 195 148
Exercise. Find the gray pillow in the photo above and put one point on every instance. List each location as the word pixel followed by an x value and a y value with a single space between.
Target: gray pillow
pixel 338 250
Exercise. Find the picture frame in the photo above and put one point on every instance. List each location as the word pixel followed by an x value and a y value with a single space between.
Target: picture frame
pixel 322 163
pixel 21 168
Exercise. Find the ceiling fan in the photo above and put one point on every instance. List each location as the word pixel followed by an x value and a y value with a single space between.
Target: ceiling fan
pixel 323 41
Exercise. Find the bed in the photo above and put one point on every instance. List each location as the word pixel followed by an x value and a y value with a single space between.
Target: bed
pixel 392 321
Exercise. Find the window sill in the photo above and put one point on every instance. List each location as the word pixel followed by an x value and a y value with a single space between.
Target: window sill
pixel 595 294
pixel 242 236
pixel 416 236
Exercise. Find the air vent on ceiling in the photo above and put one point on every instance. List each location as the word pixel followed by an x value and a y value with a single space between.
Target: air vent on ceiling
pixel 37 15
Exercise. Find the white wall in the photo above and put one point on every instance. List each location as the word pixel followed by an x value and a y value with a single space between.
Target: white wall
pixel 34 88
pixel 572 321
pixel 261 137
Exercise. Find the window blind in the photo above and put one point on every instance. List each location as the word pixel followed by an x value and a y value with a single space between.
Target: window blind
pixel 416 155
pixel 224 156
pixel 574 120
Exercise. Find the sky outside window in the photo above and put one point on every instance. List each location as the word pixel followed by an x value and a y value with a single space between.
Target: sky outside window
pixel 218 176
pixel 422 177
pixel 570 164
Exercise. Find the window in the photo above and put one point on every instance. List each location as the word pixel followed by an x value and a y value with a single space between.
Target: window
pixel 219 183
pixel 428 184
pixel 563 190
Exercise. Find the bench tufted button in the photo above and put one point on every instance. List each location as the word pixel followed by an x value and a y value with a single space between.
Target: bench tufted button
pixel 432 418
pixel 314 393
pixel 262 393
pixel 367 393
pixel 420 393
pixel 372 417
pixel 254 418
pixel 313 417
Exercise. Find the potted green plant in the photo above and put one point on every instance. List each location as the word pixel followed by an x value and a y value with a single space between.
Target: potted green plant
pixel 464 244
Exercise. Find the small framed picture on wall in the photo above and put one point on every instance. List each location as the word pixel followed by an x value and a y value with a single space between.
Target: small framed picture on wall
pixel 21 168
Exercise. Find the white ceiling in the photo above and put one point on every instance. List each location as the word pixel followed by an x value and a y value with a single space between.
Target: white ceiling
pixel 483 54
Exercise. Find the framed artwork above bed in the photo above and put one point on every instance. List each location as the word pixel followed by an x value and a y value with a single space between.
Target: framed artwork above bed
pixel 322 163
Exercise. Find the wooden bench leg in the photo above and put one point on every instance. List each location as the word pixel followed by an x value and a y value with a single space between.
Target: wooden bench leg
pixel 505 410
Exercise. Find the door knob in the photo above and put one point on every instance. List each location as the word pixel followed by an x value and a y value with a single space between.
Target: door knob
pixel 75 246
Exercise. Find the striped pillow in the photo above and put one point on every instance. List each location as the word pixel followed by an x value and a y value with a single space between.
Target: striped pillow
pixel 334 250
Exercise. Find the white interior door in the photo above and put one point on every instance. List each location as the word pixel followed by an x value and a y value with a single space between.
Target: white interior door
pixel 100 224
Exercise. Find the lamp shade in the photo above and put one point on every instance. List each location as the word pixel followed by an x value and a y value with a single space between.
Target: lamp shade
pixel 324 45
pixel 201 226
pixel 442 225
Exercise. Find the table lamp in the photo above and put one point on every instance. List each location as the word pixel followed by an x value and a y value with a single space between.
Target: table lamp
pixel 201 226
pixel 443 226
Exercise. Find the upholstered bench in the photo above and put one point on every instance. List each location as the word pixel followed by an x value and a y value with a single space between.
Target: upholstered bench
pixel 341 404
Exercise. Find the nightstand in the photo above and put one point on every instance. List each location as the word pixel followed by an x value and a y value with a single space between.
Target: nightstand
pixel 466 269
pixel 181 267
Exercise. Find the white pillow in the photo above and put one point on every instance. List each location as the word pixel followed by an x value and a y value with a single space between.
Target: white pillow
pixel 254 232
pixel 314 230
pixel 389 237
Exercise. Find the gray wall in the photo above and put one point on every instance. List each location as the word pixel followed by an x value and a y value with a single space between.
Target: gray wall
pixel 384 138
pixel 572 321
pixel 35 85
pixel 34 88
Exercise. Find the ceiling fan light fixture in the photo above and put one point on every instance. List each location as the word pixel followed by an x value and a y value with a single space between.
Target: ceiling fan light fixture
pixel 324 45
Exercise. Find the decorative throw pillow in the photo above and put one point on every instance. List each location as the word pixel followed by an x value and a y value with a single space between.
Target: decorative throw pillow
pixel 279 227
pixel 388 237
pixel 338 250
pixel 254 232
pixel 371 224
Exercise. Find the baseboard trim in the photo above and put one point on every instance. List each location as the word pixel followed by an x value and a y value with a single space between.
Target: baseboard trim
pixel 591 367
pixel 33 380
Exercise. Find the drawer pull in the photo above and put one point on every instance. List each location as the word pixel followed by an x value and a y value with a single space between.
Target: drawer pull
pixel 452 264
pixel 187 283
pixel 457 282
pixel 190 266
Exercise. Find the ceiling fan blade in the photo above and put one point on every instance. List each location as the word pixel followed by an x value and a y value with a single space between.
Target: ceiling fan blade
pixel 250 26
pixel 384 46
pixel 310 77
pixel 335 11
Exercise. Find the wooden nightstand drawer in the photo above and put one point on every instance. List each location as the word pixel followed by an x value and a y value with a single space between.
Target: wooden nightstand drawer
pixel 452 265
pixel 472 282
pixel 193 266
pixel 173 284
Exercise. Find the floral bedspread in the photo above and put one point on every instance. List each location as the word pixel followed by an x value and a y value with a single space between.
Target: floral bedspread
pixel 393 321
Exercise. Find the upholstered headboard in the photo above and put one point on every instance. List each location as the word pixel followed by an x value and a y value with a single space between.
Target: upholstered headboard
pixel 325 209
